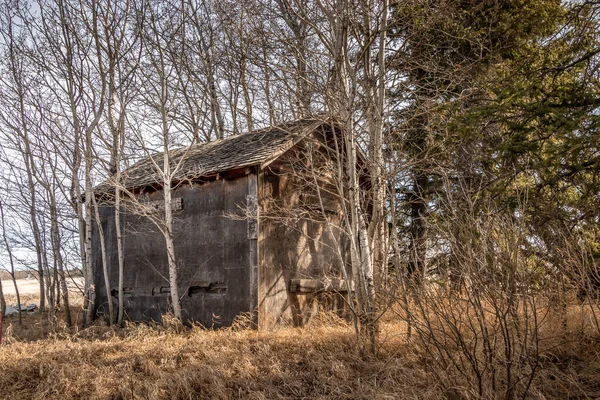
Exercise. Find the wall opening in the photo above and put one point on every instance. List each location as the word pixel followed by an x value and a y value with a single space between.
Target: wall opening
pixel 213 287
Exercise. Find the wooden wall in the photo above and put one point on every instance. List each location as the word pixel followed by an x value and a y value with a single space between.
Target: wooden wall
pixel 255 263
pixel 217 260
pixel 295 243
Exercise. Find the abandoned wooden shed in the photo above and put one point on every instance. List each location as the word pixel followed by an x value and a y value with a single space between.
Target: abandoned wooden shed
pixel 251 231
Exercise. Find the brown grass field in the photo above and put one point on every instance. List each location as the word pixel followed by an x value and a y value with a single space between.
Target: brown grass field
pixel 319 361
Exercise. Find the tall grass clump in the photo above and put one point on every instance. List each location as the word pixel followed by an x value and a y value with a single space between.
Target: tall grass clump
pixel 494 319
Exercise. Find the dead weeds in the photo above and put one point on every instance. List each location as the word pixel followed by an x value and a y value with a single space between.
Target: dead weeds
pixel 319 361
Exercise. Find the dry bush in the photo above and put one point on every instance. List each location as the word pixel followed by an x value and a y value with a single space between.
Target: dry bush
pixel 503 330
pixel 152 361
pixel 36 324
pixel 488 348
pixel 496 321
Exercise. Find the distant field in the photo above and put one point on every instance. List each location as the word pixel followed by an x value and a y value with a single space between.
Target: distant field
pixel 32 286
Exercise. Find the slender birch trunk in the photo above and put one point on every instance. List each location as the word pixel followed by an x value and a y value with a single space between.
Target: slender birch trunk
pixel 111 312
pixel 160 55
pixel 2 308
pixel 116 129
pixel 50 283
pixel 56 285
pixel 168 228
pixel 91 289
pixel 2 299
pixel 56 246
pixel 215 108
pixel 375 112
pixel 28 159
pixel 267 79
pixel 11 260
pixel 344 85
pixel 34 224
pixel 120 255
pixel 246 91
pixel 168 233
pixel 2 311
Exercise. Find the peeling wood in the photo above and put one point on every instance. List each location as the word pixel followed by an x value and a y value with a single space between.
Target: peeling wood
pixel 159 205
pixel 319 285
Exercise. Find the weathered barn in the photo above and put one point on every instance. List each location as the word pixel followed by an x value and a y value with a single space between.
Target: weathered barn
pixel 250 230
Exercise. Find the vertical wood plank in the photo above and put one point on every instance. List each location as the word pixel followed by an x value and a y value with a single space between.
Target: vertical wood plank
pixel 253 230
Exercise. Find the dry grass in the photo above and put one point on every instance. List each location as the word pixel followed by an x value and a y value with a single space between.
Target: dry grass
pixel 25 299
pixel 318 361
pixel 156 363
pixel 35 325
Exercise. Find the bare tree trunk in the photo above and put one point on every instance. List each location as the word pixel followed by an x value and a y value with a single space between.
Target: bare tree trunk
pixel 35 228
pixel 11 260
pixel 343 96
pixel 111 313
pixel 364 269
pixel 418 231
pixel 29 164
pixel 50 287
pixel 91 289
pixel 2 311
pixel 76 197
pixel 267 79
pixel 2 307
pixel 56 281
pixel 117 131
pixel 377 225
pixel 299 30
pixel 168 233
pixel 216 113
pixel 161 56
pixel 120 254
pixel 2 299
pixel 246 91
pixel 234 109
pixel 56 246
pixel 214 102
pixel 168 229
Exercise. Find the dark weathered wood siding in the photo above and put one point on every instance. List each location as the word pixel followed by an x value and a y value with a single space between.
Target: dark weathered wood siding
pixel 215 252
pixel 294 242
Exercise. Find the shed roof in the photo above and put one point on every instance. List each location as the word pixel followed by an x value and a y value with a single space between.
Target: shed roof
pixel 205 159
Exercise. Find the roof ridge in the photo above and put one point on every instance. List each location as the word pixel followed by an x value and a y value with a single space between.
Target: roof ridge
pixel 235 151
pixel 238 135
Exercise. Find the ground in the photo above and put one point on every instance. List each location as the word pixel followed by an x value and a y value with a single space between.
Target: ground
pixel 321 361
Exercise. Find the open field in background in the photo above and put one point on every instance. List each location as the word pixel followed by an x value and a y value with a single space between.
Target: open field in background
pixel 32 286
pixel 319 361
pixel 26 287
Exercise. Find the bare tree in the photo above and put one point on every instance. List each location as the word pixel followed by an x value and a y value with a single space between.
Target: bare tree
pixel 2 311
pixel 63 32
pixel 12 266
pixel 161 43
pixel 299 29
pixel 121 50
pixel 202 43
pixel 19 123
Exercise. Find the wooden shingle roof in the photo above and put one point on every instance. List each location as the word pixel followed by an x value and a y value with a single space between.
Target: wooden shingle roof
pixel 205 159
